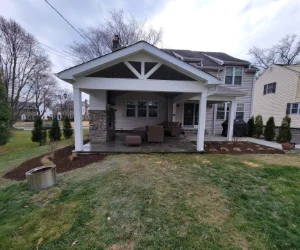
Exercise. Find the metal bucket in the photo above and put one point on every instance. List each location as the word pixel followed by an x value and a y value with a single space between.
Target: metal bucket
pixel 41 177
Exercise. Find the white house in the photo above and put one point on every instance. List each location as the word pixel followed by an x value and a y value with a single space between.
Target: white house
pixel 141 85
pixel 277 93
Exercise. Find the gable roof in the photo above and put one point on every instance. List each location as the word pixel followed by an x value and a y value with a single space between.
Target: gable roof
pixel 207 59
pixel 142 46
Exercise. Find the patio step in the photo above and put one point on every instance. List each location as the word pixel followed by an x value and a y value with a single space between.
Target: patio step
pixel 190 131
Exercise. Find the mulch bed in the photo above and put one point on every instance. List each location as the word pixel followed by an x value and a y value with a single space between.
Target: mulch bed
pixel 236 148
pixel 61 160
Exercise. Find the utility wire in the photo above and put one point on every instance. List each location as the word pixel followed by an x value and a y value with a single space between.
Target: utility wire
pixel 55 53
pixel 66 21
pixel 59 52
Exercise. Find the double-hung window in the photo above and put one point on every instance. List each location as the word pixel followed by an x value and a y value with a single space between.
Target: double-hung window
pixel 222 115
pixel 221 111
pixel 270 88
pixel 130 108
pixel 142 108
pixel 240 111
pixel 293 108
pixel 233 76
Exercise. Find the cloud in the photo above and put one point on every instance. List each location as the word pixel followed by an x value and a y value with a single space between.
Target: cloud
pixel 231 26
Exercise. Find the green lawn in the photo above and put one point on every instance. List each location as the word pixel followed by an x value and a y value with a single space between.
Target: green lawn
pixel 20 148
pixel 175 201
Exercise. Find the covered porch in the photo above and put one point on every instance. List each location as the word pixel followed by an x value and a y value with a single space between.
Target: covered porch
pixel 126 85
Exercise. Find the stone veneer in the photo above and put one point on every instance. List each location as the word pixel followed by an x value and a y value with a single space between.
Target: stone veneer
pixel 102 127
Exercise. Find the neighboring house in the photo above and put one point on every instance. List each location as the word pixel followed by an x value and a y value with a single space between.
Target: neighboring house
pixel 141 85
pixel 28 112
pixel 277 93
pixel 67 109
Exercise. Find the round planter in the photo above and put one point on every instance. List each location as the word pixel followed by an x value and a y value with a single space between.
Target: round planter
pixel 41 177
pixel 288 146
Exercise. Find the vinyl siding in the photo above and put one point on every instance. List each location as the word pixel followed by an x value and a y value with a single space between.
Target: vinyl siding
pixel 128 123
pixel 124 123
pixel 286 92
pixel 246 87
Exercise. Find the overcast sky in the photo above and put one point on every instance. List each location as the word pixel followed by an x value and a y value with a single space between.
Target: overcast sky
pixel 231 26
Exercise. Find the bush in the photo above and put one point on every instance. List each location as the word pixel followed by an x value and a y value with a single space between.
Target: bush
pixel 269 132
pixel 285 134
pixel 4 116
pixel 68 131
pixel 258 126
pixel 54 132
pixel 250 127
pixel 38 134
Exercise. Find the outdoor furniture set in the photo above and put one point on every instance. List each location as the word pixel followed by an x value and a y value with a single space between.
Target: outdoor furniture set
pixel 153 133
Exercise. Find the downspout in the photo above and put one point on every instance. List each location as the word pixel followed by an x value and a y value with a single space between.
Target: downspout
pixel 252 94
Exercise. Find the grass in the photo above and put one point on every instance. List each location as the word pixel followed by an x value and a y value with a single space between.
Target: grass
pixel 20 148
pixel 175 201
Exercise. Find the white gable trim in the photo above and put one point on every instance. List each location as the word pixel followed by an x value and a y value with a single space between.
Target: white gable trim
pixel 215 59
pixel 83 69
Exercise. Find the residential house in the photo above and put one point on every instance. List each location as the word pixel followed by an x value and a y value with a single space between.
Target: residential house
pixel 277 93
pixel 28 112
pixel 67 109
pixel 142 85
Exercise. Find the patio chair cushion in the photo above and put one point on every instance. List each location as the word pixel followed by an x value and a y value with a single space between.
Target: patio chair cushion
pixel 133 140
pixel 155 134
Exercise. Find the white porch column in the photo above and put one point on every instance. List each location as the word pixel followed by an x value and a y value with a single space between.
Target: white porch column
pixel 78 119
pixel 232 109
pixel 201 122
pixel 174 112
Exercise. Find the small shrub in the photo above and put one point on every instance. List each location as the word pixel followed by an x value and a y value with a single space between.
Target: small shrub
pixel 224 149
pixel 258 126
pixel 54 132
pixel 38 134
pixel 5 115
pixel 53 147
pixel 237 149
pixel 269 132
pixel 67 130
pixel 72 156
pixel 250 127
pixel 285 134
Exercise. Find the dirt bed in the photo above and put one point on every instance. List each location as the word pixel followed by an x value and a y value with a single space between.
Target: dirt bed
pixel 61 160
pixel 239 148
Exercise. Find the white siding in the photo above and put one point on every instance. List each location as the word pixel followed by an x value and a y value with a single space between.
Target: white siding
pixel 275 104
pixel 128 123
pixel 246 87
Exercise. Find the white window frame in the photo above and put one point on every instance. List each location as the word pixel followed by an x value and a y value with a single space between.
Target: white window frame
pixel 233 76
pixel 226 110
pixel 136 108
pixel 298 109
pixel 240 111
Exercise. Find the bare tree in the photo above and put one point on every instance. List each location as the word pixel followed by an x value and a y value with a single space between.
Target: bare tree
pixel 21 59
pixel 286 52
pixel 128 28
pixel 44 92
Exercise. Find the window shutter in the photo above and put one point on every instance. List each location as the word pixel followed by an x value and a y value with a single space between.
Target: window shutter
pixel 298 88
pixel 265 89
pixel 288 108
pixel 274 89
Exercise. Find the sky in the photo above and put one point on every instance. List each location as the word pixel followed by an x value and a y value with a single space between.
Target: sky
pixel 231 26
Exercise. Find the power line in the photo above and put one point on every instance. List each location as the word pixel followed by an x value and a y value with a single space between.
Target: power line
pixel 59 52
pixel 66 21
pixel 56 54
